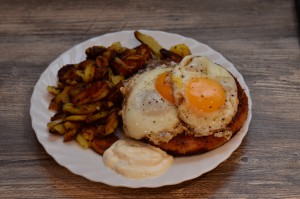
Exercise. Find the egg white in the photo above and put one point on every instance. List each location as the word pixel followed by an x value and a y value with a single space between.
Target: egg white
pixel 145 113
pixel 206 123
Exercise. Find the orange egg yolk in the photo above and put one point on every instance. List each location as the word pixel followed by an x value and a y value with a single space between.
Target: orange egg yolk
pixel 205 95
pixel 164 87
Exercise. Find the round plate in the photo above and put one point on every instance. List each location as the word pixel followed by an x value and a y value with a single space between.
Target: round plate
pixel 87 163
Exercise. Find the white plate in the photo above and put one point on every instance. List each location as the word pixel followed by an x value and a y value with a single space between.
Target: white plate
pixel 87 163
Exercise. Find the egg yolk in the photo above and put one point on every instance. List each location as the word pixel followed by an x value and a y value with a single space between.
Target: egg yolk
pixel 205 95
pixel 164 87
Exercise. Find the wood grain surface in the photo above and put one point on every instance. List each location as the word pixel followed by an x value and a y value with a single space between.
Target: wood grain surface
pixel 259 37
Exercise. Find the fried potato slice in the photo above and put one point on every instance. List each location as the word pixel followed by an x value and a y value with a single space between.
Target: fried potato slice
pixel 82 142
pixel 69 73
pixel 53 90
pixel 76 118
pixel 115 97
pixel 58 129
pixel 117 47
pixel 65 95
pixel 112 122
pixel 89 73
pixel 181 50
pixel 58 98
pixel 84 109
pixel 53 105
pixel 58 116
pixel 70 135
pixel 74 90
pixel 149 41
pixel 89 133
pixel 144 51
pixel 129 65
pixel 115 79
pixel 96 116
pixel 169 55
pixel 94 51
pixel 53 123
pixel 95 91
pixel 72 125
pixel 99 145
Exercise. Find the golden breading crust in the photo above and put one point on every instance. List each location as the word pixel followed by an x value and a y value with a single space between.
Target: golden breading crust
pixel 188 144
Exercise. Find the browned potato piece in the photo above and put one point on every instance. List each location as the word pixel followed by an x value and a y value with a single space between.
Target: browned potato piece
pixel 95 91
pixel 65 95
pixel 99 145
pixel 100 94
pixel 111 122
pixel 72 125
pixel 53 123
pixel 58 98
pixel 82 109
pixel 58 129
pixel 149 41
pixel 115 96
pixel 94 51
pixel 121 67
pixel 82 142
pixel 117 47
pixel 96 116
pixel 70 135
pixel 53 105
pixel 129 65
pixel 144 51
pixel 110 55
pixel 76 118
pixel 89 132
pixel 169 55
pixel 74 90
pixel 68 73
pixel 89 73
pixel 181 50
pixel 58 116
pixel 53 90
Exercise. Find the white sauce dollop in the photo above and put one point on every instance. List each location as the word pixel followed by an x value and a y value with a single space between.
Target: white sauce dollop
pixel 136 160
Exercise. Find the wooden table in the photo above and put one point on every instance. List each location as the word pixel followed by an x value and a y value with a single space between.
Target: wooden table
pixel 259 37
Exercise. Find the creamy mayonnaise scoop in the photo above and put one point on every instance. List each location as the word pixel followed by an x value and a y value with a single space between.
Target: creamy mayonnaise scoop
pixel 136 160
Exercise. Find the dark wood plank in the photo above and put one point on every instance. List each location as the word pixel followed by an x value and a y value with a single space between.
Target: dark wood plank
pixel 259 37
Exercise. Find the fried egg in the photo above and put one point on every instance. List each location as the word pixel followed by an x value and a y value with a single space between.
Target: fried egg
pixel 148 109
pixel 205 95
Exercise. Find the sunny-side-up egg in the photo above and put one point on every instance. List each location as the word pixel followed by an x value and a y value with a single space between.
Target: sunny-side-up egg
pixel 148 110
pixel 205 94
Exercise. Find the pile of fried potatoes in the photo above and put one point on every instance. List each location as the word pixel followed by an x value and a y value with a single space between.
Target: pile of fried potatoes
pixel 87 98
